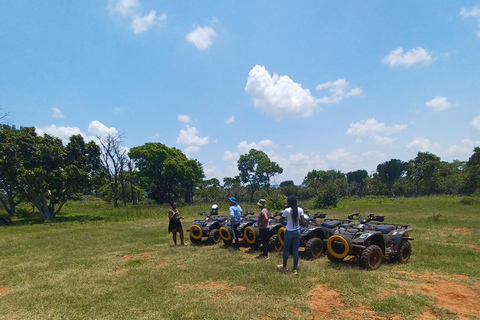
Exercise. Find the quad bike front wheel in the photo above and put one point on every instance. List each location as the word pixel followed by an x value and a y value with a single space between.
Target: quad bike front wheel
pixel 404 251
pixel 214 236
pixel 281 234
pixel 225 234
pixel 341 250
pixel 274 244
pixel 371 257
pixel 251 235
pixel 196 232
pixel 314 248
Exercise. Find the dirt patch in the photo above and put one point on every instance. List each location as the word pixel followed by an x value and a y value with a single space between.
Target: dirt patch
pixel 295 311
pixel 181 266
pixel 322 299
pixel 4 290
pixel 474 247
pixel 462 231
pixel 121 270
pixel 143 255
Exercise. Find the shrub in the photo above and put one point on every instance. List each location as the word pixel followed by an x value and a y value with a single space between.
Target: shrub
pixel 466 201
pixel 327 198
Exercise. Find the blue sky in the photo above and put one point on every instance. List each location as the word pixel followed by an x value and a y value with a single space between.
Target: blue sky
pixel 341 85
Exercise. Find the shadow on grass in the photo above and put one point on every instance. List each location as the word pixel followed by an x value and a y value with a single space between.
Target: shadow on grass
pixel 58 219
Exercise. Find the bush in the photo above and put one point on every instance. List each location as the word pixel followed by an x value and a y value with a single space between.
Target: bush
pixel 276 202
pixel 466 201
pixel 327 198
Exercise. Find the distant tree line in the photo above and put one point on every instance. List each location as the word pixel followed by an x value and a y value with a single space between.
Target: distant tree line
pixel 40 170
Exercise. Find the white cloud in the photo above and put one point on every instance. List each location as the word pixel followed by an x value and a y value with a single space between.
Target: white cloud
pixel 279 96
pixel 129 9
pixel 57 113
pixel 472 13
pixel 141 24
pixel 63 133
pixel 414 56
pixel 190 138
pixel 245 147
pixel 376 131
pixel 230 156
pixel 464 149
pixel 202 38
pixel 98 129
pixel 476 123
pixel 423 145
pixel 230 120
pixel 438 103
pixel 184 118
pixel 338 90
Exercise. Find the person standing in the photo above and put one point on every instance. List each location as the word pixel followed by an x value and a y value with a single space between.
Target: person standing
pixel 235 215
pixel 263 227
pixel 295 219
pixel 175 225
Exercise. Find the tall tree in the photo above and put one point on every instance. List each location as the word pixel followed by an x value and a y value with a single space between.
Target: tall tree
pixel 16 148
pixel 55 172
pixel 114 161
pixel 256 170
pixel 166 173
pixel 473 171
pixel 356 181
pixel 390 171
pixel 423 169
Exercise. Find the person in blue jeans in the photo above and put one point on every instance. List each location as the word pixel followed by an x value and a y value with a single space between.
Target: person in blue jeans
pixel 295 219
pixel 235 215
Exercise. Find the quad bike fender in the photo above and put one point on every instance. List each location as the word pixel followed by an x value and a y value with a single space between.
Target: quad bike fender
pixel 375 238
pixel 314 232
pixel 213 225
pixel 398 235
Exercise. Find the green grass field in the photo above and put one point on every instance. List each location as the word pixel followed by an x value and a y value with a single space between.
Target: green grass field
pixel 97 262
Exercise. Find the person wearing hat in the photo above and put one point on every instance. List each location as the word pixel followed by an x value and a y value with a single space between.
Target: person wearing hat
pixel 263 227
pixel 235 215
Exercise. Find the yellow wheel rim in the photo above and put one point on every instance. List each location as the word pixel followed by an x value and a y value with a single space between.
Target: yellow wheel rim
pixel 250 230
pixel 194 236
pixel 345 244
pixel 225 234
pixel 281 233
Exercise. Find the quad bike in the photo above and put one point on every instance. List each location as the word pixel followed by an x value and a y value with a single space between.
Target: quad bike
pixel 315 234
pixel 208 227
pixel 245 221
pixel 370 242
pixel 252 233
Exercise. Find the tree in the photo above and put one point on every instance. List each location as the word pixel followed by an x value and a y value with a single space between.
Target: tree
pixel 472 169
pixel 55 173
pixel 424 169
pixel 211 191
pixel 356 182
pixel 390 172
pixel 16 147
pixel 288 188
pixel 317 180
pixel 165 173
pixel 256 170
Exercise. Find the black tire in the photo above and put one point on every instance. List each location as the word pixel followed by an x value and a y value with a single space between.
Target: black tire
pixel 314 248
pixel 251 236
pixel 195 241
pixel 333 259
pixel 404 252
pixel 274 244
pixel 214 236
pixel 371 257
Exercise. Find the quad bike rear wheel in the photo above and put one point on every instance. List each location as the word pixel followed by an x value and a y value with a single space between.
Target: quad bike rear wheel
pixel 371 257
pixel 404 251
pixel 314 248
pixel 274 244
pixel 214 236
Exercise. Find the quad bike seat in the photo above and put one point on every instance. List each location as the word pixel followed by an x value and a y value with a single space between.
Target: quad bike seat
pixel 384 229
pixel 254 219
pixel 331 224
pixel 221 219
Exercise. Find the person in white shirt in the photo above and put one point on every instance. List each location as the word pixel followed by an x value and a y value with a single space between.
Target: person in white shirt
pixel 295 219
